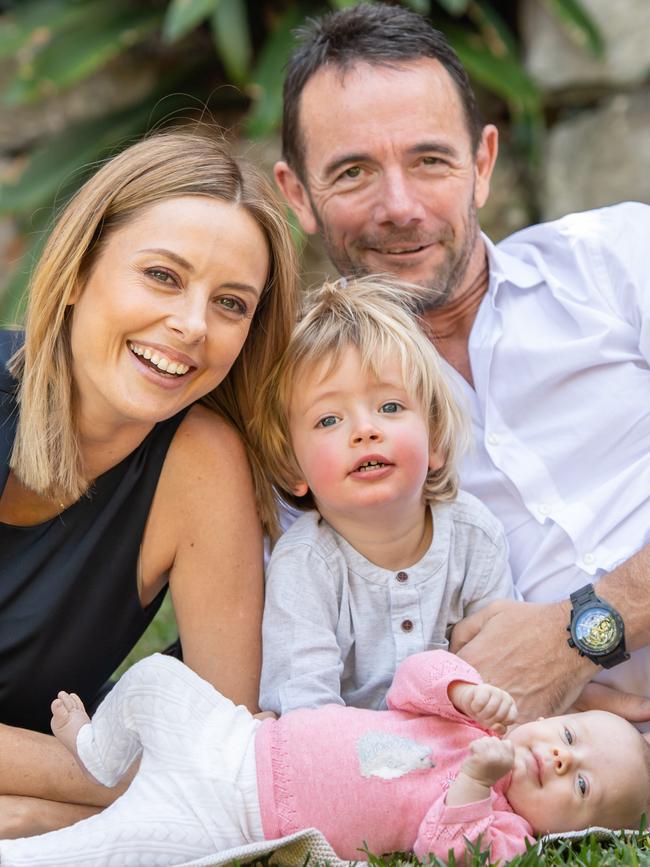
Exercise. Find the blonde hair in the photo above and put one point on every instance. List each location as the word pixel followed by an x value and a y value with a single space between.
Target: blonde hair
pixel 46 455
pixel 376 316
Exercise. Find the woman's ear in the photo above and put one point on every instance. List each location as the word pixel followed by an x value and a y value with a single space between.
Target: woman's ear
pixel 435 461
pixel 300 488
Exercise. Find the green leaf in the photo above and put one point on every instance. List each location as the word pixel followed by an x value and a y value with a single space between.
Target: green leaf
pixel 184 15
pixel 494 30
pixel 12 297
pixel 268 76
pixel 342 4
pixel 454 7
pixel 421 6
pixel 54 169
pixel 79 51
pixel 231 36
pixel 32 24
pixel 580 26
pixel 504 76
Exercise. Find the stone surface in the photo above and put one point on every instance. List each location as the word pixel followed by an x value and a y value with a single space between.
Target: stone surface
pixel 557 62
pixel 599 157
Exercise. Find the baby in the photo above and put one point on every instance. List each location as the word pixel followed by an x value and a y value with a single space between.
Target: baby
pixel 423 775
pixel 358 425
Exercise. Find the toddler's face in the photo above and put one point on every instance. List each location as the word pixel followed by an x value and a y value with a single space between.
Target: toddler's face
pixel 361 441
pixel 578 770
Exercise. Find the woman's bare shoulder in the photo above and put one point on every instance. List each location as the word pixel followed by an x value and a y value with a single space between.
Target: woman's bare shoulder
pixel 206 440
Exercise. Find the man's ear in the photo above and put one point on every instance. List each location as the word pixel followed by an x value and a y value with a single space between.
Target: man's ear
pixel 486 157
pixel 296 195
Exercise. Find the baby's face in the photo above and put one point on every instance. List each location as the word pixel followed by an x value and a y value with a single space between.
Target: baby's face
pixel 578 770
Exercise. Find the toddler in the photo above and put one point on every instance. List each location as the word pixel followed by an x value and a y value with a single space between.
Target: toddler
pixel 358 422
pixel 422 775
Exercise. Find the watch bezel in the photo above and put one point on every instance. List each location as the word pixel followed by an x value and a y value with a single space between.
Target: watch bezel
pixel 607 613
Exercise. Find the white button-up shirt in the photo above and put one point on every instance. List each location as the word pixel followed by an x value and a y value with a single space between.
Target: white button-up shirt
pixel 560 356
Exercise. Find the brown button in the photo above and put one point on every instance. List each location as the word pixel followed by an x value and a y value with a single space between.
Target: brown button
pixel 407 625
pixel 402 576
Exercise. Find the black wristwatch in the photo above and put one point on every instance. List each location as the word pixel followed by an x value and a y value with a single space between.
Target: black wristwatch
pixel 597 629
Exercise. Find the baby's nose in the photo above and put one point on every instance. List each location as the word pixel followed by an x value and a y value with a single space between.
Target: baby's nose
pixel 561 760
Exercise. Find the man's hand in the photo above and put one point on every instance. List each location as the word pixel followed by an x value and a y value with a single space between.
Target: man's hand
pixel 522 647
pixel 491 707
pixel 598 696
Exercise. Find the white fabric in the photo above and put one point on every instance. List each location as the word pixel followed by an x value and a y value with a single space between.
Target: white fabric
pixel 333 629
pixel 194 794
pixel 560 354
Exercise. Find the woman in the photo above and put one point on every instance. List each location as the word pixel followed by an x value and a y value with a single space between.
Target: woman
pixel 165 292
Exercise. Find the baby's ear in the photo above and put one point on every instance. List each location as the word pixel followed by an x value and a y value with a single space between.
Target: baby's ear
pixel 435 460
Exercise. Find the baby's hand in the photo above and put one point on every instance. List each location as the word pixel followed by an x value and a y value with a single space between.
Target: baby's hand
pixel 489 760
pixel 491 707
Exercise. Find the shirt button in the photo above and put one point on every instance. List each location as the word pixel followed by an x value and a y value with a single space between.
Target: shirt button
pixel 494 439
pixel 407 625
pixel 544 509
pixel 402 576
pixel 589 558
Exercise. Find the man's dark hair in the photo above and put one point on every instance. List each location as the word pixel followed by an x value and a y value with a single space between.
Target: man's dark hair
pixel 377 34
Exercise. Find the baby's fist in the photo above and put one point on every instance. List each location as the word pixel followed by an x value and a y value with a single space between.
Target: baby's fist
pixel 489 760
pixel 489 706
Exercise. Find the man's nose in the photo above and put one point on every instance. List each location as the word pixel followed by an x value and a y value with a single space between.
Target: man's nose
pixel 398 203
pixel 562 759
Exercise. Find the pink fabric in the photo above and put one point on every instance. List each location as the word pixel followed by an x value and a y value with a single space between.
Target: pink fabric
pixel 359 775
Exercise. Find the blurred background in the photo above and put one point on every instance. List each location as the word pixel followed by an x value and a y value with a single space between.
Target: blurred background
pixel 567 82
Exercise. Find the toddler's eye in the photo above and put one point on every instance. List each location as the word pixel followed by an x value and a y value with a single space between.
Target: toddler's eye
pixel 390 407
pixel 327 421
pixel 568 736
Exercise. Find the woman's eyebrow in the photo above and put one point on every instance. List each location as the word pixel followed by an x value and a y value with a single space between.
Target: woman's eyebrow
pixel 170 255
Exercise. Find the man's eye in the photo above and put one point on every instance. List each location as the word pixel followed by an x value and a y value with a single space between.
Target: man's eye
pixel 352 172
pixel 390 406
pixel 568 736
pixel 327 421
pixel 583 788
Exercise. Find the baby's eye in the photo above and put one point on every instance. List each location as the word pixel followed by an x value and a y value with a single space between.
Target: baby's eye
pixel 568 736
pixel 327 421
pixel 583 788
pixel 390 406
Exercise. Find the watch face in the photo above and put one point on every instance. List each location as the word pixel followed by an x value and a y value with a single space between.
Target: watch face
pixel 596 630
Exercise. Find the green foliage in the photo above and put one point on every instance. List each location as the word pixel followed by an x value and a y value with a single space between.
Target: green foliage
pixel 200 45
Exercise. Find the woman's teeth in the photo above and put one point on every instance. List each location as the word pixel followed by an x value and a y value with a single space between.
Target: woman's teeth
pixel 158 360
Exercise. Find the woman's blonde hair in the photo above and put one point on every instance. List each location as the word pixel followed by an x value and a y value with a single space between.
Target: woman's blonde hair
pixel 181 162
pixel 376 316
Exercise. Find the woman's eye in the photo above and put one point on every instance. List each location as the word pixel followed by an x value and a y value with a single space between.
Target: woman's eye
pixel 233 304
pixel 390 407
pixel 568 736
pixel 582 786
pixel 327 421
pixel 160 276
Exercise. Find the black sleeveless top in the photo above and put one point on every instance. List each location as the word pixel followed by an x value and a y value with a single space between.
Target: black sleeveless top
pixel 69 606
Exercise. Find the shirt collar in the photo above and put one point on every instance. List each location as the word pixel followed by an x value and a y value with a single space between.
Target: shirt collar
pixel 505 268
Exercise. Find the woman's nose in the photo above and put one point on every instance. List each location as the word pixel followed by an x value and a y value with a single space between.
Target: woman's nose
pixel 189 320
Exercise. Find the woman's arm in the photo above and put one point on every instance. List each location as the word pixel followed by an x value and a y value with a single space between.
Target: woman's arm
pixel 205 532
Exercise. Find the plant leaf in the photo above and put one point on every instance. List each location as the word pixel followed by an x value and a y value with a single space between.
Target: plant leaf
pixel 421 6
pixel 268 76
pixel 35 22
pixel 184 15
pixel 342 4
pixel 454 7
pixel 579 24
pixel 232 37
pixel 80 50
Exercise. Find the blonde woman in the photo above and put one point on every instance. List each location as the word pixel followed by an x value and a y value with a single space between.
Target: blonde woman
pixel 165 293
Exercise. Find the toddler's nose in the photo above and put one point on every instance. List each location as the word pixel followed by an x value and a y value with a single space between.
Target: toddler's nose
pixel 561 759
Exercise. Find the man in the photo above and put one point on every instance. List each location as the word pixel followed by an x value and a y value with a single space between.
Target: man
pixel 547 337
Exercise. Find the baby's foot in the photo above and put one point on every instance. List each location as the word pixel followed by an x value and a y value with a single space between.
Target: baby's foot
pixel 68 716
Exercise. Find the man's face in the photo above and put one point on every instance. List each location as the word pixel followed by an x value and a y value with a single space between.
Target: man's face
pixel 391 182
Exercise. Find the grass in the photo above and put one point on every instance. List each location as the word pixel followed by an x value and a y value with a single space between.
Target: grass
pixel 588 852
